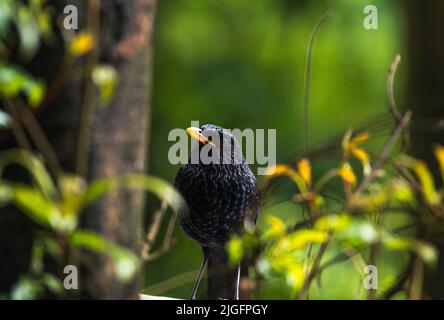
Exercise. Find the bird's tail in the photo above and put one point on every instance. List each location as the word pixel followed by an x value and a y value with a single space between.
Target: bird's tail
pixel 223 277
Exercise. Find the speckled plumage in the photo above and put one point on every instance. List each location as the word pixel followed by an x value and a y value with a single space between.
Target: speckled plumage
pixel 221 198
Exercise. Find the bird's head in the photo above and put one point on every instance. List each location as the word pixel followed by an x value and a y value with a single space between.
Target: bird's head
pixel 217 139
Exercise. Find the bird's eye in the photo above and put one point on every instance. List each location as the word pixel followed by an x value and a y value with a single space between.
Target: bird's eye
pixel 210 138
pixel 200 131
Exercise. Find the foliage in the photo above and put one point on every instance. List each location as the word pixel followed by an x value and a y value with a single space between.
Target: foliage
pixel 281 249
pixel 56 207
pixel 55 199
pixel 32 23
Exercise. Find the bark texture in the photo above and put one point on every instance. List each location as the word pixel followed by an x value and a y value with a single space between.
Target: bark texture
pixel 425 21
pixel 119 137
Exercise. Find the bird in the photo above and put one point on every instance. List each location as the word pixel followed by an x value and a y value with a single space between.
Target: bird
pixel 222 199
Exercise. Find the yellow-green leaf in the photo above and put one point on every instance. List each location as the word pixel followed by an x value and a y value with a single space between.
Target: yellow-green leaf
pixel 81 44
pixel 333 222
pixel 276 228
pixel 125 261
pixel 426 181
pixel 439 154
pixel 363 157
pixel 304 170
pixel 347 174
pixel 285 170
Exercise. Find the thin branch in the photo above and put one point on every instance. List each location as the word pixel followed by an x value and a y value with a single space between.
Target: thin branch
pixel 416 280
pixel 168 240
pixel 314 270
pixel 17 129
pixel 399 283
pixel 38 136
pixel 58 81
pixel 307 77
pixel 171 283
pixel 390 96
pixel 388 146
pixel 154 228
pixel 374 249
pixel 83 142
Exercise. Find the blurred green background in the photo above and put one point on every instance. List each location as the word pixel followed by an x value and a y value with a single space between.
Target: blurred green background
pixel 240 64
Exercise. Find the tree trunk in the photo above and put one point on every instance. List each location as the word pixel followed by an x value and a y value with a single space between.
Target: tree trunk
pixel 426 96
pixel 119 137
pixel 92 140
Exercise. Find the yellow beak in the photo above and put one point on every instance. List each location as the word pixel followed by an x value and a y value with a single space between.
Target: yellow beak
pixel 196 134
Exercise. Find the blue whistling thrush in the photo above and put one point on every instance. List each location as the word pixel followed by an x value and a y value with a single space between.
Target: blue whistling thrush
pixel 222 198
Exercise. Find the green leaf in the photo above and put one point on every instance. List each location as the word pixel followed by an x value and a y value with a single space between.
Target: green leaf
pixel 35 92
pixel 125 262
pixel 7 10
pixel 333 222
pixel 11 80
pixel 26 289
pixel 43 211
pixel 235 250
pixel 425 178
pixel 276 228
pixel 34 204
pixel 5 119
pixel 5 194
pixel 105 78
pixel 14 81
pixel 34 166
pixel 299 239
pixel 359 232
pixel 424 250
pixel 37 259
pixel 53 283
pixel 71 188
pixel 28 32
pixel 159 187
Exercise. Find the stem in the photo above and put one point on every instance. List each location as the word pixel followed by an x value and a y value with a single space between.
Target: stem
pixel 399 284
pixel 83 143
pixel 416 281
pixel 388 146
pixel 39 138
pixel 314 270
pixel 390 96
pixel 17 129
pixel 147 254
pixel 307 77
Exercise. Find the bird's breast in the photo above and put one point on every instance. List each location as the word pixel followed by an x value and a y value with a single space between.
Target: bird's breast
pixel 218 199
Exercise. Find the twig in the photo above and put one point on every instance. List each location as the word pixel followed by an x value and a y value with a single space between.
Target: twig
pixel 388 146
pixel 390 96
pixel 374 249
pixel 38 136
pixel 154 227
pixel 167 243
pixel 58 81
pixel 416 281
pixel 83 142
pixel 314 270
pixel 399 283
pixel 153 231
pixel 172 283
pixel 382 158
pixel 17 129
pixel 307 77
